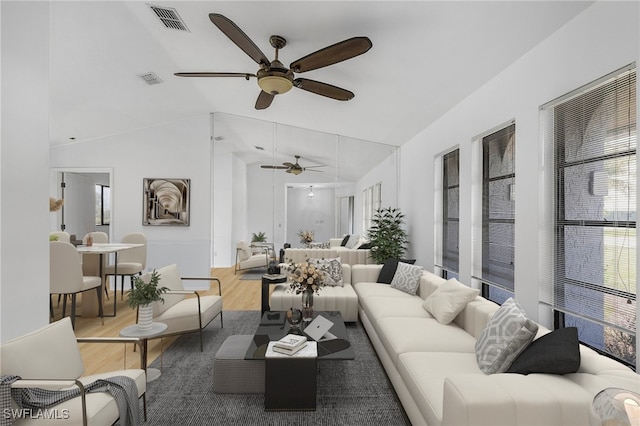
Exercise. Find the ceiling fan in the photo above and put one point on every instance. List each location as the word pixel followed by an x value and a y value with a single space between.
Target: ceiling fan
pixel 273 77
pixel 292 168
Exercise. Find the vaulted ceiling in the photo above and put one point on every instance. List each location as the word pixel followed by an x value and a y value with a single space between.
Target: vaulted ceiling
pixel 426 57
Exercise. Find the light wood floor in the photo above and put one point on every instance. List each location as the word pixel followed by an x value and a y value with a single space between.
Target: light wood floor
pixel 237 295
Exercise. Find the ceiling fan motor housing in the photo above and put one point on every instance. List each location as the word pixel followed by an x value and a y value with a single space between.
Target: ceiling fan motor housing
pixel 275 80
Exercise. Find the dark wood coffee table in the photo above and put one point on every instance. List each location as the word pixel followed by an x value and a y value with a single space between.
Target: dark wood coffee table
pixel 274 326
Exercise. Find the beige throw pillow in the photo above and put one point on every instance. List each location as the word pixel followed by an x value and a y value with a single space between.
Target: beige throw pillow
pixel 449 300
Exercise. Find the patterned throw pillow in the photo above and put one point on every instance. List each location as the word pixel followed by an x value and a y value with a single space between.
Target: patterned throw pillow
pixel 332 269
pixel 449 300
pixel 407 278
pixel 505 336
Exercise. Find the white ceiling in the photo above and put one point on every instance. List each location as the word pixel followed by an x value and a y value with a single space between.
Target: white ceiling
pixel 426 57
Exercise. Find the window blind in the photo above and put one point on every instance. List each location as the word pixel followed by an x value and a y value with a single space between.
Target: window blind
pixel 497 249
pixel 593 283
pixel 451 210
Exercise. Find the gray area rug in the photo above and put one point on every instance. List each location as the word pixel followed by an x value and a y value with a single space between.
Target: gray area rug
pixel 254 274
pixel 354 392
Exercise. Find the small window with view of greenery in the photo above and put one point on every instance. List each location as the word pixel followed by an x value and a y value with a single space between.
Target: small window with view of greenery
pixel 103 205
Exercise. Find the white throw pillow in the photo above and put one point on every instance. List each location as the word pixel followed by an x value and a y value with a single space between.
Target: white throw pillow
pixel 449 300
pixel 332 269
pixel 407 278
pixel 505 336
pixel 354 240
pixel 362 240
pixel 244 251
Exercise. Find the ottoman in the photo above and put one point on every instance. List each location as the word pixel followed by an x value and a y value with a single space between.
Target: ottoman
pixel 234 374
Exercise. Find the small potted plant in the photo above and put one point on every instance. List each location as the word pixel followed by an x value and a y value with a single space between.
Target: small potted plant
pixel 142 295
pixel 260 237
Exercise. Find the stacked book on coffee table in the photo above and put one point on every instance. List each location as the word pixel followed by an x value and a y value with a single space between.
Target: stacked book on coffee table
pixel 290 344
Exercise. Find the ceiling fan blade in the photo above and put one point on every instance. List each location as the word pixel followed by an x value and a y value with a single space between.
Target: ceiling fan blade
pixel 289 165
pixel 266 166
pixel 307 169
pixel 323 89
pixel 264 100
pixel 214 74
pixel 236 35
pixel 333 54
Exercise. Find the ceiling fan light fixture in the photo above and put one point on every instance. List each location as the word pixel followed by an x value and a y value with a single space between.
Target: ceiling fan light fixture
pixel 275 84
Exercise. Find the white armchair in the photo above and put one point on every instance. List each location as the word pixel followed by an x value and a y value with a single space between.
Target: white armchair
pixel 50 358
pixel 184 314
pixel 245 259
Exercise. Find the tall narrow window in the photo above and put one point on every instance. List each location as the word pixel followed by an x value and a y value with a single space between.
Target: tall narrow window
pixel 498 214
pixel 594 263
pixel 450 213
pixel 371 201
pixel 103 205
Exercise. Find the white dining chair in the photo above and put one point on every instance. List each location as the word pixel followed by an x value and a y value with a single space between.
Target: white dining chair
pixel 61 236
pixel 91 262
pixel 66 278
pixel 130 262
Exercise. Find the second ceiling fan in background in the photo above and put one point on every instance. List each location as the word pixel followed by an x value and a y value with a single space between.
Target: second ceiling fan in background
pixel 292 168
pixel 273 77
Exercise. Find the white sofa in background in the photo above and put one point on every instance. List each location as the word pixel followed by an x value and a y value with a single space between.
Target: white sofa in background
pixel 347 256
pixel 330 298
pixel 434 371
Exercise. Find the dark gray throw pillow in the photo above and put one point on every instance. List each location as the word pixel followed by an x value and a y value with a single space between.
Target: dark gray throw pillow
pixel 557 352
pixel 344 241
pixel 389 269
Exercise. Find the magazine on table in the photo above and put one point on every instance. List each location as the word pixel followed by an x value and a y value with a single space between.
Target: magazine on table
pixel 288 351
pixel 291 342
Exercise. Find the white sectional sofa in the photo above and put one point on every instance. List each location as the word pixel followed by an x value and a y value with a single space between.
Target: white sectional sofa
pixel 347 255
pixel 336 298
pixel 434 371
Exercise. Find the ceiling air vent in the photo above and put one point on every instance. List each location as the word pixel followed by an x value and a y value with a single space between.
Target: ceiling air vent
pixel 150 78
pixel 169 18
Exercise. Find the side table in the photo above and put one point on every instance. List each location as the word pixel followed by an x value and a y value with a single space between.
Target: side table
pixel 290 381
pixel 157 328
pixel 268 279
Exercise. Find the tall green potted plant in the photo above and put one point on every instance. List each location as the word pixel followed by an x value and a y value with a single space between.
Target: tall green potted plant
pixel 142 295
pixel 388 238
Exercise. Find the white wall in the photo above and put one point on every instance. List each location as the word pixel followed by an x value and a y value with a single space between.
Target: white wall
pixel 24 168
pixel 597 42
pixel 179 149
pixel 222 211
pixel 315 214
pixel 386 172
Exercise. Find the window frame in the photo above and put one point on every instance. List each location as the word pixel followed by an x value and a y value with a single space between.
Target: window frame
pixel 100 202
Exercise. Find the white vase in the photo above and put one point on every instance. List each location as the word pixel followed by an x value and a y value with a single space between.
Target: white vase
pixel 145 316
